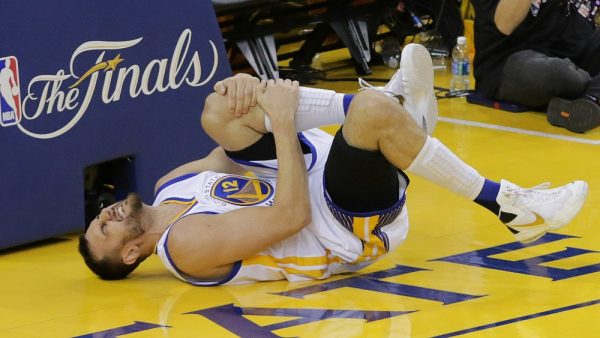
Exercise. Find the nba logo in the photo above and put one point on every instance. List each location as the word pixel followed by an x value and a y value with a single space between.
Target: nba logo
pixel 10 95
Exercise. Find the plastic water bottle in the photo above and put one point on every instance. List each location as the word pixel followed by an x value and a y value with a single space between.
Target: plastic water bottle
pixel 460 66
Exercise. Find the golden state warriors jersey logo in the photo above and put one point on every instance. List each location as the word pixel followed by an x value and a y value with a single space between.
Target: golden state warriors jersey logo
pixel 241 190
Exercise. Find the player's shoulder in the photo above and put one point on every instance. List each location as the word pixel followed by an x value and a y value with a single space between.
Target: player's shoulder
pixel 192 248
pixel 189 229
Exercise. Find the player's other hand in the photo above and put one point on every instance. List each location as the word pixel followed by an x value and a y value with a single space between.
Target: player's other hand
pixel 240 92
pixel 279 99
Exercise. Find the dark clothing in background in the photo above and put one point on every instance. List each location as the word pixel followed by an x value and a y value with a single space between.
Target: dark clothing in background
pixel 553 54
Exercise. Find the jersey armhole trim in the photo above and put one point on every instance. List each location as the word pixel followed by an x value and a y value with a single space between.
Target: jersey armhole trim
pixel 313 150
pixel 197 282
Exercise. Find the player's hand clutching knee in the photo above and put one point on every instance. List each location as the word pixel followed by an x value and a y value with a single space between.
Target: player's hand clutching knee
pixel 279 99
pixel 240 92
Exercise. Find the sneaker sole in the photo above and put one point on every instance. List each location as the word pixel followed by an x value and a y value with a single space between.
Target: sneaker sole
pixel 417 68
pixel 528 235
pixel 577 116
pixel 417 78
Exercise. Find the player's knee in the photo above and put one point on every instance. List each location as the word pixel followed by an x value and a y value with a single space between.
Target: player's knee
pixel 215 114
pixel 372 107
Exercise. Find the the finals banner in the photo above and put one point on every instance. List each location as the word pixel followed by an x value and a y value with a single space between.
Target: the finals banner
pixel 84 82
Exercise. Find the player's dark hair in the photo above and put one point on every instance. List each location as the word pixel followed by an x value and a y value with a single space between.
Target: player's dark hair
pixel 104 268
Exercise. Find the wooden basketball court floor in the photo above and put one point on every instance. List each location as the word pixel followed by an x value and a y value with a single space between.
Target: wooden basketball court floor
pixel 459 274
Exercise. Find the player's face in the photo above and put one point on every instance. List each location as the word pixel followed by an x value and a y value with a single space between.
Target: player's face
pixel 115 226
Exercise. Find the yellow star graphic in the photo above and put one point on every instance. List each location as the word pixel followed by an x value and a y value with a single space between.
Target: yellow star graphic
pixel 106 65
pixel 112 64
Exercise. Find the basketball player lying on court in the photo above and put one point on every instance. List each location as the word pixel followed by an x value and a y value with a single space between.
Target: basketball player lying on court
pixel 317 205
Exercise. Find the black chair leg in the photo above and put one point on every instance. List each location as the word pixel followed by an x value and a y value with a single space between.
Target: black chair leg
pixel 354 34
pixel 311 46
pixel 261 53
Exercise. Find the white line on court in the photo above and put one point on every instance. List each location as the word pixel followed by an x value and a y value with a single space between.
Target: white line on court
pixel 518 131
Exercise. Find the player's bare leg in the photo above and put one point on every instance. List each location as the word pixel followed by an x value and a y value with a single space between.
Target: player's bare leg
pixel 378 123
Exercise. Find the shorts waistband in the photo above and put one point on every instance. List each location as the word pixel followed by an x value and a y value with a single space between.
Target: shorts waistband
pixel 347 218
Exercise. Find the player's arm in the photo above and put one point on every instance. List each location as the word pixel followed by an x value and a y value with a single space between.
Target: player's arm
pixel 217 161
pixel 206 246
pixel 510 13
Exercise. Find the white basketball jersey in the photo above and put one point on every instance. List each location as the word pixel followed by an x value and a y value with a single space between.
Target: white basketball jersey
pixel 330 244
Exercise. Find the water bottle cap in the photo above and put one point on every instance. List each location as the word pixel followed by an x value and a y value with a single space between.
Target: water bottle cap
pixel 393 62
pixel 461 40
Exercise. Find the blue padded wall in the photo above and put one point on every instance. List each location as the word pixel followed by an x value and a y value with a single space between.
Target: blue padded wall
pixel 149 64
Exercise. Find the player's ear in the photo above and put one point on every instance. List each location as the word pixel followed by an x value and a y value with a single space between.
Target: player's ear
pixel 130 253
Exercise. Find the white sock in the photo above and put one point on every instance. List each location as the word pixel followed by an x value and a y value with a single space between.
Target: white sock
pixel 316 107
pixel 437 164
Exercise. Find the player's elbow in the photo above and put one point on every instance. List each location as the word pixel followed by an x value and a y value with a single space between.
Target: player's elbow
pixel 303 215
pixel 297 216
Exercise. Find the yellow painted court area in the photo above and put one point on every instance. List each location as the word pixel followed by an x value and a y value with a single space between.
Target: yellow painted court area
pixel 460 272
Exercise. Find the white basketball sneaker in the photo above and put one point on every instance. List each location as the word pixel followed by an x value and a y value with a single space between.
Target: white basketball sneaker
pixel 531 212
pixel 413 81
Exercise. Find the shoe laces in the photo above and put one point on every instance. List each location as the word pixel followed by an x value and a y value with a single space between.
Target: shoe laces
pixel 529 195
pixel 365 85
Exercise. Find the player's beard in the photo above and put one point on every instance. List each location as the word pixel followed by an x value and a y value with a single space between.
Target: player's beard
pixel 134 220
